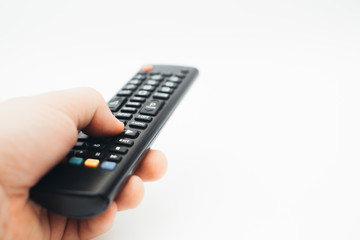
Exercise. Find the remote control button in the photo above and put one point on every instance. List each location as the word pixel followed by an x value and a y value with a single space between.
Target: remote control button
pixel 133 104
pixel 97 146
pixel 116 103
pixel 118 149
pixel 135 82
pixel 159 95
pixel 64 160
pixel 121 115
pixel 139 125
pixel 128 110
pixel 156 77
pixel 104 139
pixel 184 70
pixel 140 77
pixel 152 107
pixel 154 73
pixel 170 84
pixel 81 153
pixel 125 142
pixel 129 87
pixel 152 82
pixel 75 161
pixel 114 157
pixel 106 165
pixel 79 145
pixel 143 93
pixel 143 118
pixel 174 79
pixel 148 88
pixel 167 74
pixel 82 136
pixel 131 133
pixel 93 163
pixel 146 68
pixel 180 75
pixel 125 93
pixel 97 155
pixel 166 90
pixel 137 99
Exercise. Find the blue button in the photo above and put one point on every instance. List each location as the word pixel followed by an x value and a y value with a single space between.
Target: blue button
pixel 108 165
pixel 76 160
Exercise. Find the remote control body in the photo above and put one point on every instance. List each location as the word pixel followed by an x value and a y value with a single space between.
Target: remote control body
pixel 96 169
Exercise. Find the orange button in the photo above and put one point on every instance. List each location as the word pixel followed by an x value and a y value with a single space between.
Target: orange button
pixel 147 68
pixel 91 162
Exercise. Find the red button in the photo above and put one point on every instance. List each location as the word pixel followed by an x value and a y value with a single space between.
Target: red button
pixel 147 68
pixel 64 160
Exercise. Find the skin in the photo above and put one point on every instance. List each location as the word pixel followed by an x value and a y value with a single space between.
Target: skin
pixel 36 133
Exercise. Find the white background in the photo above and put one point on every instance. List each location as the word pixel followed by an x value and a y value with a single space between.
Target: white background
pixel 266 143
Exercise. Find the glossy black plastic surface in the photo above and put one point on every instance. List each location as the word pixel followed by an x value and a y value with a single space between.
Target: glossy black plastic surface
pixel 83 192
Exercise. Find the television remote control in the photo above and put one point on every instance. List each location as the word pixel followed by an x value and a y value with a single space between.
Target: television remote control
pixel 88 179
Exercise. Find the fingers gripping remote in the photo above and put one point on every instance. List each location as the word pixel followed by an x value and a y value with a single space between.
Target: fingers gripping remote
pixel 88 179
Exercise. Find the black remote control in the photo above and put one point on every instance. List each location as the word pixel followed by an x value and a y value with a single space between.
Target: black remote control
pixel 87 181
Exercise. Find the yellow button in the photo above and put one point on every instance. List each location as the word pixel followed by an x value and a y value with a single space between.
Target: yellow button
pixel 147 68
pixel 91 162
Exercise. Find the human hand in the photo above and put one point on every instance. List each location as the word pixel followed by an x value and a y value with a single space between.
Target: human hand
pixel 28 126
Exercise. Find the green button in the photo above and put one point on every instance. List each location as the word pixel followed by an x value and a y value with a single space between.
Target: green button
pixel 76 160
